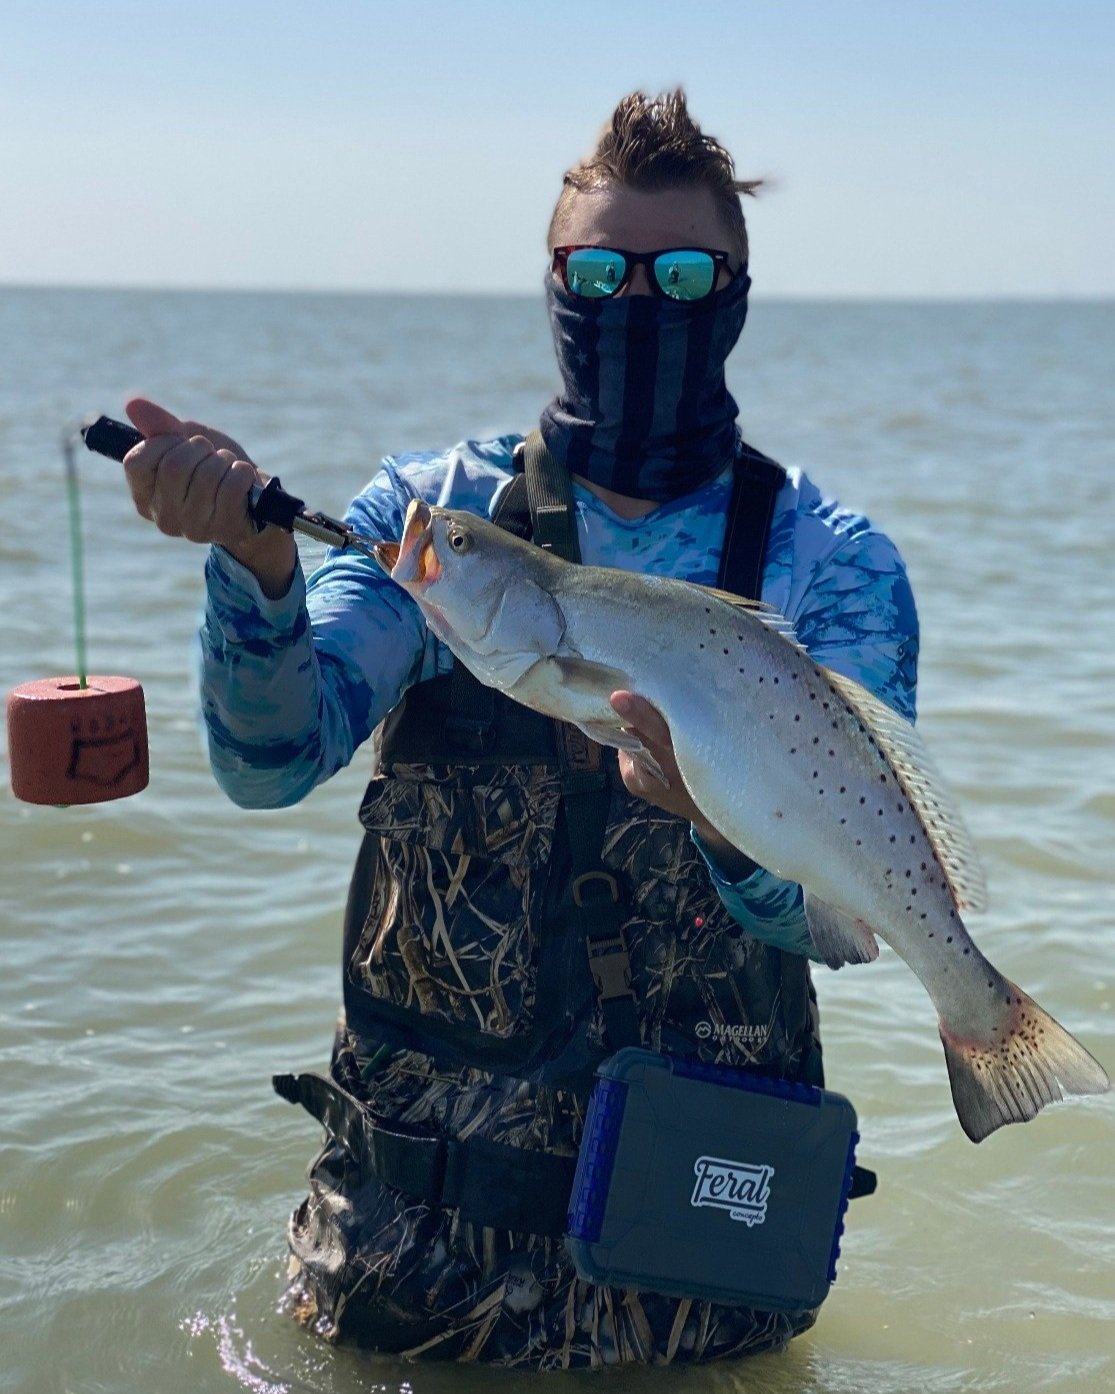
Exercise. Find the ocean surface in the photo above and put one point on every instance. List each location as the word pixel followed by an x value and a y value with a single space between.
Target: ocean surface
pixel 161 956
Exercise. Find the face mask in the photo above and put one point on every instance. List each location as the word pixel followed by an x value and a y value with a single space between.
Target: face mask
pixel 644 409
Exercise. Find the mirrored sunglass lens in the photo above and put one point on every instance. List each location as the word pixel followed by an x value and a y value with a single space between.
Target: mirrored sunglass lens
pixel 594 272
pixel 685 275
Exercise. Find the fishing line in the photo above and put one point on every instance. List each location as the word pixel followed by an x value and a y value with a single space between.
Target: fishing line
pixel 77 554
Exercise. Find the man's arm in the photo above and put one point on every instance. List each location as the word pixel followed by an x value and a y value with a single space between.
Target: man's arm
pixel 291 687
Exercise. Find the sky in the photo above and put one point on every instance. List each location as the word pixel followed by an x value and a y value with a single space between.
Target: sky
pixel 914 148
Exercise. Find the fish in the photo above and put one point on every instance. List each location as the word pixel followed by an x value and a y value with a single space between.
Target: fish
pixel 801 768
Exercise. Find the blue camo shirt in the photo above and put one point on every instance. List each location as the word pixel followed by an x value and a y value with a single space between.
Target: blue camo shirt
pixel 292 687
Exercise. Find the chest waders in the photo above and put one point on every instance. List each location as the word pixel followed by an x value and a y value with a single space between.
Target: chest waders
pixel 516 915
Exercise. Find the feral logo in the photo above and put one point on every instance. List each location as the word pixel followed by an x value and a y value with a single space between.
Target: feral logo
pixel 741 1188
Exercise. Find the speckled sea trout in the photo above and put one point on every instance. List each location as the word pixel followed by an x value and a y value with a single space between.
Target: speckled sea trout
pixel 800 768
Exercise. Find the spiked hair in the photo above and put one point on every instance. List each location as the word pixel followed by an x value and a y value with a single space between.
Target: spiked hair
pixel 654 143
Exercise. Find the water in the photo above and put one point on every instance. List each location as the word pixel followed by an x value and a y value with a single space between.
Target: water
pixel 163 955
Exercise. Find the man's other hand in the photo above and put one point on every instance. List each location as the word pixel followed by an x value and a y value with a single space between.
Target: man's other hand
pixel 646 721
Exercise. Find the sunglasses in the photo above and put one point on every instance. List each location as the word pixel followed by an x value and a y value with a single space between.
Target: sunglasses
pixel 679 273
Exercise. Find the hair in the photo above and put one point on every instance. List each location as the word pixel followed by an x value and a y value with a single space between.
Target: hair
pixel 654 143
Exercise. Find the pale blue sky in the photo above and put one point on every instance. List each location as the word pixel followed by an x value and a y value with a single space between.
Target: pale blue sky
pixel 918 147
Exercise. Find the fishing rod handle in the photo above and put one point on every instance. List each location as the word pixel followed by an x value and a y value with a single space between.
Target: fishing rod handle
pixel 267 503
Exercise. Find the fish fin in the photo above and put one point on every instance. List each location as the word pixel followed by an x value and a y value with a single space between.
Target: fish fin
pixel 839 938
pixel 620 738
pixel 1029 1062
pixel 758 609
pixel 583 676
pixel 925 789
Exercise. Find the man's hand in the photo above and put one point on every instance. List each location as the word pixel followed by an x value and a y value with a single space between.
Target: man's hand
pixel 645 721
pixel 193 482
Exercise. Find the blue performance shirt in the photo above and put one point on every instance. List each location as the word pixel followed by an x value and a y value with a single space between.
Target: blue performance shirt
pixel 292 687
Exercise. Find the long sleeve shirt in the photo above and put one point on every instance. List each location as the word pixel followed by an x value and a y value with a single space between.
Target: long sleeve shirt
pixel 292 687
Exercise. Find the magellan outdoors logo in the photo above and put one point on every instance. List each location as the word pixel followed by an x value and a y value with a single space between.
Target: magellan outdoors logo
pixel 741 1188
pixel 704 1029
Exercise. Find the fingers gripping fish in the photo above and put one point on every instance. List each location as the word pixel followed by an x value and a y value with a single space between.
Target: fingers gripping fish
pixel 801 769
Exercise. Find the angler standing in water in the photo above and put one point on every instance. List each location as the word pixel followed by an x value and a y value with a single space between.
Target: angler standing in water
pixel 525 904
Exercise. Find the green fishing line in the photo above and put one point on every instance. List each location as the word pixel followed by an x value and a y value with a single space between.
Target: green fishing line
pixel 77 562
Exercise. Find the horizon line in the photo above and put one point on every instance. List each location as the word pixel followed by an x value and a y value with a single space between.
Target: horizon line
pixel 851 297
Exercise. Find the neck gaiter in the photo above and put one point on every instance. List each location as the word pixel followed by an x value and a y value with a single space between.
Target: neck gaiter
pixel 644 408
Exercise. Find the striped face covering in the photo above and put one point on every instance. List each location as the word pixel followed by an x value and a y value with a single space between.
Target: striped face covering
pixel 644 409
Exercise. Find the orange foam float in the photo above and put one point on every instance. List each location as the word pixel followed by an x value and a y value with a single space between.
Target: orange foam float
pixel 69 744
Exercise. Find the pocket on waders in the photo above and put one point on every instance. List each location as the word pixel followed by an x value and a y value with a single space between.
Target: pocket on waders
pixel 453 929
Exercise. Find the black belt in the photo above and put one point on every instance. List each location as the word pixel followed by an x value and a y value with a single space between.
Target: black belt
pixel 491 1183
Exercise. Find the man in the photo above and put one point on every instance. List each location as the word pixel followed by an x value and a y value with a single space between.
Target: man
pixel 473 1021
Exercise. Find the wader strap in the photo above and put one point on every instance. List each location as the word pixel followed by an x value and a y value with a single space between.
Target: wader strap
pixel 586 800
pixel 550 491
pixel 470 725
pixel 757 482
pixel 585 794
pixel 490 1183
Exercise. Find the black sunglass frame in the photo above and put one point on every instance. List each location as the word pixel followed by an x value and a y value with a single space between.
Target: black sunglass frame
pixel 560 264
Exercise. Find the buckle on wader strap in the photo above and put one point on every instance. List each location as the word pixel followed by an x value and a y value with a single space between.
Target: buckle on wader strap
pixel 586 799
pixel 608 958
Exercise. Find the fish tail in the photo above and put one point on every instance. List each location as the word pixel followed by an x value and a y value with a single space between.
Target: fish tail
pixel 1029 1061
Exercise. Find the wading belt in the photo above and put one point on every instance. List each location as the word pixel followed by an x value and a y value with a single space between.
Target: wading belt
pixel 489 1183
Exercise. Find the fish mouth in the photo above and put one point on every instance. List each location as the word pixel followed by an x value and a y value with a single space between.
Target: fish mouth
pixel 413 560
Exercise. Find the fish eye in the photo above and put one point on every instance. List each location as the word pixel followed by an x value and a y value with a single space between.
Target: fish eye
pixel 459 541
